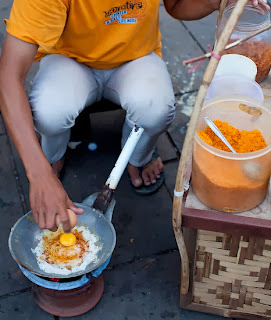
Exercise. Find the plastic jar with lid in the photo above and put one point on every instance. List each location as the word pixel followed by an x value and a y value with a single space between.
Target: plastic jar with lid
pixel 257 48
pixel 226 181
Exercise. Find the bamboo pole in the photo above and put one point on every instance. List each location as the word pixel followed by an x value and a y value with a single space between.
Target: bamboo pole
pixel 222 6
pixel 188 143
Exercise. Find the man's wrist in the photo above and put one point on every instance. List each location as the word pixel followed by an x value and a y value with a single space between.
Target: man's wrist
pixel 38 169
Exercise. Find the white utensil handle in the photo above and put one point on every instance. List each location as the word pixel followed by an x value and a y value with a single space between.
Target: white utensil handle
pixel 215 129
pixel 124 157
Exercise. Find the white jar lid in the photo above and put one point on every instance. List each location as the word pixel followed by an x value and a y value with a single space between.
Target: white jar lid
pixel 236 64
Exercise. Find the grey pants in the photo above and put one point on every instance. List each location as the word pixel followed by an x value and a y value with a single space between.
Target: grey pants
pixel 63 87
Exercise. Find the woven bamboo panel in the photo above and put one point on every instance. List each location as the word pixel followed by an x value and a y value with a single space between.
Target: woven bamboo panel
pixel 233 272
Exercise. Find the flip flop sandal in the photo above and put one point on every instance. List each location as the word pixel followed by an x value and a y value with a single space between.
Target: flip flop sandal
pixel 146 190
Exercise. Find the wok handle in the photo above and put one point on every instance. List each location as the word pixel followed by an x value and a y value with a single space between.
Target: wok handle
pixel 124 158
pixel 105 196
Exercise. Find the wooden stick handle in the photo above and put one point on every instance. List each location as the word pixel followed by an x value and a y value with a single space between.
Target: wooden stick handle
pixel 189 139
pixel 222 6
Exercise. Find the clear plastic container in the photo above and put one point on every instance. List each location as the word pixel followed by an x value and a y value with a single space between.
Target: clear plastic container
pixel 234 84
pixel 226 181
pixel 257 48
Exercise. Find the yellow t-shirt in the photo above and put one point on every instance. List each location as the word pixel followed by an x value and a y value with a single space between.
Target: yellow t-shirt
pixel 102 34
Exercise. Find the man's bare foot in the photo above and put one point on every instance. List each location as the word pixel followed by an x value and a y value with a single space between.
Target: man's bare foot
pixel 58 166
pixel 149 175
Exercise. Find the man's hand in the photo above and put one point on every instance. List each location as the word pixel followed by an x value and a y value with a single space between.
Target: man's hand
pixel 47 199
pixel 256 3
pixel 260 3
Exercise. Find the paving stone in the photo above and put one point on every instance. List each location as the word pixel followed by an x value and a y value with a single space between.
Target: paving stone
pixel 184 107
pixel 203 30
pixel 166 149
pixel 22 307
pixel 11 278
pixel 147 289
pixel 178 45
pixel 22 179
pixel 170 175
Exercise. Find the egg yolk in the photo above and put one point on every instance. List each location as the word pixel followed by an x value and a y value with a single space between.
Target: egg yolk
pixel 67 239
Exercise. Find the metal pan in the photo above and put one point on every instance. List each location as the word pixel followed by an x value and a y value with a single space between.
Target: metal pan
pixel 23 235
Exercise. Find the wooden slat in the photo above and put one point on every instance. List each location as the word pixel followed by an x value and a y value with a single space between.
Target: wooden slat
pixel 241 256
pixel 235 245
pixel 229 275
pixel 213 233
pixel 190 237
pixel 263 275
pixel 259 246
pixel 239 266
pixel 215 266
pixel 252 284
pixel 208 245
pixel 257 263
pixel 226 223
pixel 262 258
pixel 207 265
pixel 224 258
pixel 268 279
pixel 266 253
pixel 226 245
pixel 250 250
pixel 226 293
pixel 258 290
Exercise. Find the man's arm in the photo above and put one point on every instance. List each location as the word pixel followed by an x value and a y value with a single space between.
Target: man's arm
pixel 197 9
pixel 47 196
pixel 191 9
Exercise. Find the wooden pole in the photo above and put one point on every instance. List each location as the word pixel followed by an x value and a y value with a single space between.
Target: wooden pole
pixel 189 139
pixel 222 6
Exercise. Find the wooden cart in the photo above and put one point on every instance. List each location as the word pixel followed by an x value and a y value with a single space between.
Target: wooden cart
pixel 225 258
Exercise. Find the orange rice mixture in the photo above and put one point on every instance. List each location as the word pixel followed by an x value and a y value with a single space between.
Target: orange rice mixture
pixel 241 141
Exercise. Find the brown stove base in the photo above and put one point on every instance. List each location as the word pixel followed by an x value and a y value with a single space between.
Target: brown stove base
pixel 71 302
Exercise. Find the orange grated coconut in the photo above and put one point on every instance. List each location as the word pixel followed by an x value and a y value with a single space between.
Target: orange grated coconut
pixel 241 141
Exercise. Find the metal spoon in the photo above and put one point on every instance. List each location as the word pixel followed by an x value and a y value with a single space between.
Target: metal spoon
pixel 251 169
pixel 215 129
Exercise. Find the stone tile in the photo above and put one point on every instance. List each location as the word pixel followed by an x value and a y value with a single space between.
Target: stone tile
pixel 166 150
pixel 11 278
pixel 147 289
pixel 178 45
pixel 22 179
pixel 184 107
pixel 170 175
pixel 203 30
pixel 22 307
pixel 4 13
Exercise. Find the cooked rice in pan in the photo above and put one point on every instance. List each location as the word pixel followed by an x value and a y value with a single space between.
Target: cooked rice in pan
pixel 53 257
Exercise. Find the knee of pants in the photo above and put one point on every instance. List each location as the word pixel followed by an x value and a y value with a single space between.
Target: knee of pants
pixel 153 114
pixel 52 121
